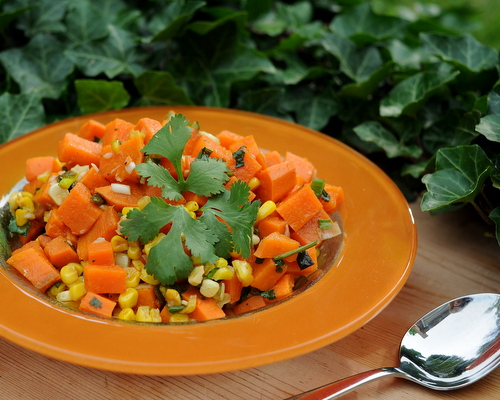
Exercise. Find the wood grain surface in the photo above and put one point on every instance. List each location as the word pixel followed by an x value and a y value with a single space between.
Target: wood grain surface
pixel 454 258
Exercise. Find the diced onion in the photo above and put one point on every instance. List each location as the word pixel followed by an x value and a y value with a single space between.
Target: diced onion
pixel 129 168
pixel 107 155
pixel 120 188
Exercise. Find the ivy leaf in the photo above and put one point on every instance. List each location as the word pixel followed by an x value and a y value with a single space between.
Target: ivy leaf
pixel 313 109
pixel 39 67
pixel 172 18
pixel 489 126
pixel 374 132
pixel 408 95
pixel 99 95
pixel 495 217
pixel 494 100
pixel 460 173
pixel 465 52
pixel 87 23
pixel 20 113
pixel 370 84
pixel 357 63
pixel 10 14
pixel 114 55
pixel 42 16
pixel 283 17
pixel 363 26
pixel 159 88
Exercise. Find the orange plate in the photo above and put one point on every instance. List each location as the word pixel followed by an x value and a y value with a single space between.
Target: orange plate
pixel 374 263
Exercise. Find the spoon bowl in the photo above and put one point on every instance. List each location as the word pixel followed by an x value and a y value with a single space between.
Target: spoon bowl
pixel 450 347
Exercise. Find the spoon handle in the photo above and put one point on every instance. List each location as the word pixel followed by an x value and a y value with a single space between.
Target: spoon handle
pixel 336 389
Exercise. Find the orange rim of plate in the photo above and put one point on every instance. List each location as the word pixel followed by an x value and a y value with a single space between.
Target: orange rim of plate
pixel 374 263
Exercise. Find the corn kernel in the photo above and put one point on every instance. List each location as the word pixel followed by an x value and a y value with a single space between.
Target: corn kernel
pixel 196 275
pixel 154 313
pixel 119 244
pixel 142 314
pixel 126 210
pixel 176 318
pixel 78 267
pixel 138 265
pixel 64 296
pixel 115 146
pixel 192 214
pixel 127 314
pixel 57 288
pixel 221 262
pixel 192 206
pixel 225 299
pixel 44 177
pixel 254 183
pixel 148 278
pixel 209 288
pixel 265 210
pixel 154 242
pixel 133 277
pixel 191 305
pixel 243 271
pixel 135 133
pixel 172 297
pixel 69 274
pixel 255 239
pixel 128 299
pixel 22 216
pixel 143 202
pixel 223 273
pixel 26 202
pixel 77 291
pixel 134 252
pixel 13 198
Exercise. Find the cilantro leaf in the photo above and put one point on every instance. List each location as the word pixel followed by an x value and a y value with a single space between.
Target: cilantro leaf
pixel 168 261
pixel 160 177
pixel 207 177
pixel 234 208
pixel 170 141
pixel 145 224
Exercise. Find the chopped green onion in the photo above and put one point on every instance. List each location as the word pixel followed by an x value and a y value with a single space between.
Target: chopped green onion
pixel 239 157
pixel 204 153
pixel 325 223
pixel 295 251
pixel 318 185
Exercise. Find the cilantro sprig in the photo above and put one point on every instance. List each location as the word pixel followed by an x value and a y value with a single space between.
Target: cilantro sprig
pixel 226 221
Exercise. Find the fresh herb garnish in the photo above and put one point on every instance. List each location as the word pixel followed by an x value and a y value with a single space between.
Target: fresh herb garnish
pixel 226 220
pixel 95 302
pixel 239 157
pixel 15 228
pixel 295 251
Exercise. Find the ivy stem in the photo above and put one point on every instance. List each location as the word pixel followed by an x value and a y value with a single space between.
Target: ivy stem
pixel 481 213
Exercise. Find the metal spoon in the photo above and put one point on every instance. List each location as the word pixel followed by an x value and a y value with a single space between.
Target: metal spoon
pixel 451 347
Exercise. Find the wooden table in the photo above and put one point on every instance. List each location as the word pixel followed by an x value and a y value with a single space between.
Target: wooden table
pixel 454 259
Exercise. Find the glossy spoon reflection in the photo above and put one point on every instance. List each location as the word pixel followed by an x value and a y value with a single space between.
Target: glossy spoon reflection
pixel 452 346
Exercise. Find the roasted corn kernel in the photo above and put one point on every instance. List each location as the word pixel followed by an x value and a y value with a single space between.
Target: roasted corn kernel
pixel 69 274
pixel 254 183
pixel 77 291
pixel 190 306
pixel 128 299
pixel 196 275
pixel 243 271
pixel 127 314
pixel 119 244
pixel 172 297
pixel 209 288
pixel 177 318
pixel 265 210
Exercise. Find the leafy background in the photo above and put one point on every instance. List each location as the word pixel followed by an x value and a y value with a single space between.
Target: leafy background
pixel 414 86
